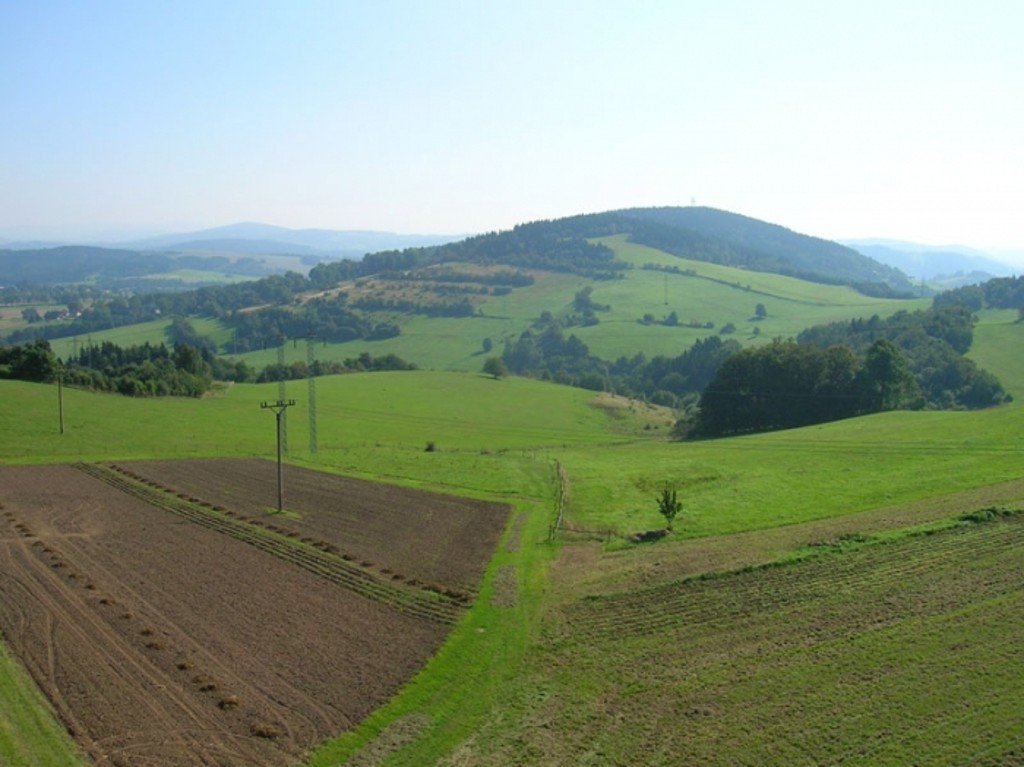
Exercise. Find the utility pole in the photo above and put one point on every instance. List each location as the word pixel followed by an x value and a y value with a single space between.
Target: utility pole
pixel 60 398
pixel 310 361
pixel 278 407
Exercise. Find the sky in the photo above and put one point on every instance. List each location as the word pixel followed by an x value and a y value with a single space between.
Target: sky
pixel 892 119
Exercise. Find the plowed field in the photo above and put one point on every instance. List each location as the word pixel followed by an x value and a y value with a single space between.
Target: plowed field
pixel 164 642
pixel 437 539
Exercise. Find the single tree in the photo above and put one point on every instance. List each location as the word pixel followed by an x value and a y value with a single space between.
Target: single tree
pixel 495 368
pixel 760 311
pixel 488 345
pixel 669 506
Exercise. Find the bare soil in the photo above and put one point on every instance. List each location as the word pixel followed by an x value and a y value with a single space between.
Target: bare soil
pixel 421 537
pixel 162 642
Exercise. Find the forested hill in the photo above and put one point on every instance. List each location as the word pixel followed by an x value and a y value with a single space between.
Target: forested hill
pixel 702 234
pixel 76 263
pixel 116 268
pixel 708 234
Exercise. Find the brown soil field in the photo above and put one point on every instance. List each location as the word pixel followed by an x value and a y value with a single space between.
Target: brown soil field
pixel 163 642
pixel 422 537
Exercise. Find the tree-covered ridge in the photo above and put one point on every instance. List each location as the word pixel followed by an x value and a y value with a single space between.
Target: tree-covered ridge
pixel 111 268
pixel 707 234
pixel 702 234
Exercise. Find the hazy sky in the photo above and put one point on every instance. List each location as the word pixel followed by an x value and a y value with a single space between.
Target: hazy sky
pixel 839 119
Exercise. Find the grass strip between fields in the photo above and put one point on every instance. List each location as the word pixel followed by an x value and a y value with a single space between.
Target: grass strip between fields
pixel 469 676
pixel 30 735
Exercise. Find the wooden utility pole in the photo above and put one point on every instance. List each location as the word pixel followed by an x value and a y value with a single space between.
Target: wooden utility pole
pixel 60 399
pixel 279 407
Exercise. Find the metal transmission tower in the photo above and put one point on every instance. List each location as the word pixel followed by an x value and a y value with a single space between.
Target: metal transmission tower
pixel 282 420
pixel 310 361
pixel 279 408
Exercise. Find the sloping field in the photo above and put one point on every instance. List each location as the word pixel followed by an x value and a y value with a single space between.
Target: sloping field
pixel 437 539
pixel 160 641
pixel 906 652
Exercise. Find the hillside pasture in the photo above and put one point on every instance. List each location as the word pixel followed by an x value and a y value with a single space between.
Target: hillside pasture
pixel 366 411
pixel 763 481
pixel 154 332
pixel 716 294
pixel 998 342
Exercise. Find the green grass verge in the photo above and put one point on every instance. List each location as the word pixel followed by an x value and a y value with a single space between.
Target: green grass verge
pixel 29 733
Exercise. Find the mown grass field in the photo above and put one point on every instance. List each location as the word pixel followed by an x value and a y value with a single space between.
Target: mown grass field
pixel 894 650
pixel 904 652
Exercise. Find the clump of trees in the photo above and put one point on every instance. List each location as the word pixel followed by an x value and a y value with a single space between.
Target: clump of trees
pixel 785 384
pixel 788 384
pixel 153 370
pixel 933 343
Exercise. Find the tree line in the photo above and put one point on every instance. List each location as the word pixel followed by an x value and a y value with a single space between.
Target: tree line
pixel 157 370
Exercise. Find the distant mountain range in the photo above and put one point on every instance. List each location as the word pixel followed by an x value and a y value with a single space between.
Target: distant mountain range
pixel 264 239
pixel 261 240
pixel 949 265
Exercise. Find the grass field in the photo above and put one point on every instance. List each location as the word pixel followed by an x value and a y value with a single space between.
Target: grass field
pixel 578 652
pixel 11 318
pixel 154 332
pixel 825 661
pixel 998 341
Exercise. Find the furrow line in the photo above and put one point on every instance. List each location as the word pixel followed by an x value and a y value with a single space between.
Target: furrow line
pixel 430 607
